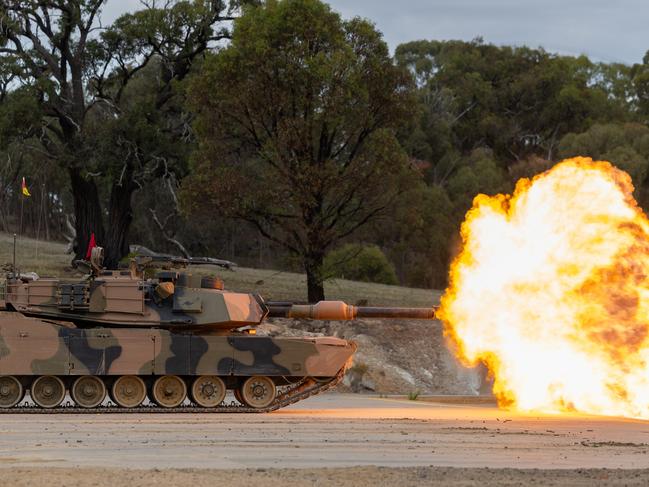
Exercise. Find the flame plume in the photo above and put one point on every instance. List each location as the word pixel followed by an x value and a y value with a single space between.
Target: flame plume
pixel 551 291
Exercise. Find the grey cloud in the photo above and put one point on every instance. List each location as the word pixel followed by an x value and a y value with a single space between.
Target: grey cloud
pixel 605 30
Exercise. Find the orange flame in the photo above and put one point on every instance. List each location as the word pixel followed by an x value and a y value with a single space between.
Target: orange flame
pixel 551 291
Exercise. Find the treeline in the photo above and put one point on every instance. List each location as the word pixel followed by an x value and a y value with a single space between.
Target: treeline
pixel 277 134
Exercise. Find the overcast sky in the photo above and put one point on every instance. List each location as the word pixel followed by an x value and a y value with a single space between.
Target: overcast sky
pixel 605 30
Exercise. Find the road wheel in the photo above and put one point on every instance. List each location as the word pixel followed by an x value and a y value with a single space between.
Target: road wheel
pixel 169 391
pixel 208 391
pixel 128 391
pixel 48 391
pixel 11 391
pixel 258 392
pixel 88 391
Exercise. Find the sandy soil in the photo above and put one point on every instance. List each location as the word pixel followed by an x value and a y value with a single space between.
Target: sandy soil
pixel 345 477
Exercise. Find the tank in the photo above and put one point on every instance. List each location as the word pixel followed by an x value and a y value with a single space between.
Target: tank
pixel 137 339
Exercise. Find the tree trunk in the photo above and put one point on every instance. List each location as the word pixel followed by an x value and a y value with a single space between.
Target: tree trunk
pixel 87 213
pixel 120 216
pixel 313 265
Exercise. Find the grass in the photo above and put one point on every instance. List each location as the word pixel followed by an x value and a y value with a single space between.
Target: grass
pixel 50 259
pixel 412 396
pixel 44 258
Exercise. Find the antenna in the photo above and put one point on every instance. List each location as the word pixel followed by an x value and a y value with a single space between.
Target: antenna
pixel 14 264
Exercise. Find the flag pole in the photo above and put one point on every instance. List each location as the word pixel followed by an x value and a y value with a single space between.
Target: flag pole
pixel 22 204
pixel 14 266
pixel 20 234
pixel 24 192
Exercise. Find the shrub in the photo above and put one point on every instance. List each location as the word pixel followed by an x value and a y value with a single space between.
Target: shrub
pixel 360 263
pixel 413 395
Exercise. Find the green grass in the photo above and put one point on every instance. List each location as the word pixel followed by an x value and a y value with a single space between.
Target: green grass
pixel 50 259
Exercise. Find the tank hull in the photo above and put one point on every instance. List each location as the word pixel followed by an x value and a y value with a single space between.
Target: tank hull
pixel 32 347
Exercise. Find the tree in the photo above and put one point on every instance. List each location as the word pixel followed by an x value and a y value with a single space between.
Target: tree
pixel 298 138
pixel 486 116
pixel 360 262
pixel 639 74
pixel 624 145
pixel 79 71
pixel 514 101
pixel 420 234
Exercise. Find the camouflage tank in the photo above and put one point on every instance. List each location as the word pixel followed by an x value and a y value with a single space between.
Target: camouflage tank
pixel 180 340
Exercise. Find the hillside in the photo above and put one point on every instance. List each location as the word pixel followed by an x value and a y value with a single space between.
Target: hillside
pixel 401 356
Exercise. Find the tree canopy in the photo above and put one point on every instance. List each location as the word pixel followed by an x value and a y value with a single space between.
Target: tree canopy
pixel 78 74
pixel 299 137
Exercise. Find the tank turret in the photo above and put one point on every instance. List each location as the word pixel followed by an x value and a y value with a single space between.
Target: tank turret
pixel 180 340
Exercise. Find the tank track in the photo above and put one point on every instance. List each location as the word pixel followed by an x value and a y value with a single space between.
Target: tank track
pixel 299 391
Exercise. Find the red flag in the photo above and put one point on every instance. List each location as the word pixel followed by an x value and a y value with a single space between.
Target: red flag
pixel 91 245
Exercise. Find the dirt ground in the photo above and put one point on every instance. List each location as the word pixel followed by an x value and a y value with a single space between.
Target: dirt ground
pixel 324 477
pixel 333 439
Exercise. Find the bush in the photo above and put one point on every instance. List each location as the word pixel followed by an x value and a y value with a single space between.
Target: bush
pixel 360 263
pixel 412 396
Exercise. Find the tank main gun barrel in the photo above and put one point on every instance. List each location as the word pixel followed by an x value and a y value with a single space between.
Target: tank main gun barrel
pixel 338 310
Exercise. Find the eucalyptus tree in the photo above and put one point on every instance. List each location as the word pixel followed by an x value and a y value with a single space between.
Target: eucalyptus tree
pixel 299 137
pixel 80 73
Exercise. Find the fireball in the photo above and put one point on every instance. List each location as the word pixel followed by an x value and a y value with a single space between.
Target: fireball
pixel 551 292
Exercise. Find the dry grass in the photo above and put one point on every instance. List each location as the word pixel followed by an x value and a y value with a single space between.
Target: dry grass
pixel 49 258
pixel 290 286
pixel 44 258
